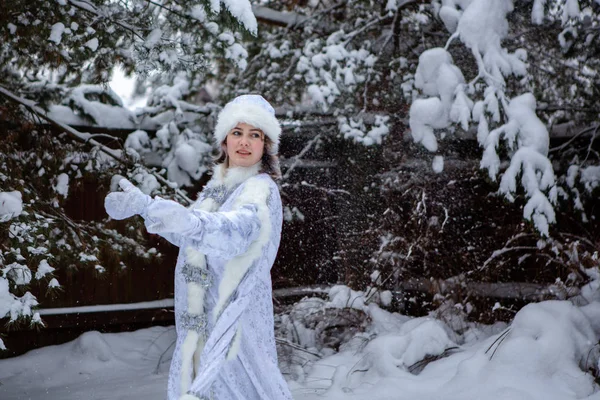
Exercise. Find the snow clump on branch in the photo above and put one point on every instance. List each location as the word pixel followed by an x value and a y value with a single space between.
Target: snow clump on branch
pixel 481 25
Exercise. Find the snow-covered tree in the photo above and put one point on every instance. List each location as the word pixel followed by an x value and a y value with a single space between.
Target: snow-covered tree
pixel 81 41
pixel 59 55
pixel 508 74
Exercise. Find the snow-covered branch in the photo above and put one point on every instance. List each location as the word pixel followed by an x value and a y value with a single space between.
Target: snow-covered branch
pixel 269 16
pixel 481 26
pixel 87 138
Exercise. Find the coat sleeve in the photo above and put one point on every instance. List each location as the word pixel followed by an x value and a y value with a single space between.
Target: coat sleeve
pixel 220 234
pixel 172 237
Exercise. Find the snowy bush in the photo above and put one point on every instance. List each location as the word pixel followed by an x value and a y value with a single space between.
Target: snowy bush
pixel 415 358
pixel 38 235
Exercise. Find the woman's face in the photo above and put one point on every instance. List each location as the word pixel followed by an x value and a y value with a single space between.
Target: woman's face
pixel 245 145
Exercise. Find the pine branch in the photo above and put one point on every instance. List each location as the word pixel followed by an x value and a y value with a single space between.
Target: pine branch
pixel 85 6
pixel 87 138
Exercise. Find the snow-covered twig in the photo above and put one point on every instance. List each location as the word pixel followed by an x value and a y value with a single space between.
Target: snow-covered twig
pixel 298 157
pixel 102 135
pixel 504 250
pixel 273 17
pixel 348 38
pixel 295 346
pixel 326 190
pixel 380 285
pixel 316 15
pixel 370 71
pixel 446 217
pixel 91 8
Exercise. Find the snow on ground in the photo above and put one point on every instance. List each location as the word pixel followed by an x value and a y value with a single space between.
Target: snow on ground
pixel 94 366
pixel 543 354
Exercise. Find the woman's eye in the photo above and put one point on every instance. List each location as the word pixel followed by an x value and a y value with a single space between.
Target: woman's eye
pixel 256 135
pixel 236 133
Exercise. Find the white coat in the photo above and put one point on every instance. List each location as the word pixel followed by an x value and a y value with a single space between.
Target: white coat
pixel 228 241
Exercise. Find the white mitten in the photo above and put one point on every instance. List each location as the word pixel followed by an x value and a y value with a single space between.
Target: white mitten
pixel 125 204
pixel 167 216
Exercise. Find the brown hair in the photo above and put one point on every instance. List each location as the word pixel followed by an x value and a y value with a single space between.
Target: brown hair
pixel 269 162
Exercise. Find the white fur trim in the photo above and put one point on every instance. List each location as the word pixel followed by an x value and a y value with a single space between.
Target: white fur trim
pixel 233 176
pixel 199 348
pixel 236 175
pixel 252 114
pixel 254 192
pixel 188 397
pixel 195 258
pixel 188 349
pixel 193 343
pixel 195 298
pixel 207 204
pixel 229 177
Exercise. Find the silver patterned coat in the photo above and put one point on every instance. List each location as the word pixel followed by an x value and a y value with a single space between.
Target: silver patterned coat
pixel 228 241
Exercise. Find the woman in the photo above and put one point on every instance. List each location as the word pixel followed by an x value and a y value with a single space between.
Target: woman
pixel 228 242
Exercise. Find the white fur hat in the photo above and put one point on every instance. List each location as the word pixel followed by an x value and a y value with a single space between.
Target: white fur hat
pixel 252 109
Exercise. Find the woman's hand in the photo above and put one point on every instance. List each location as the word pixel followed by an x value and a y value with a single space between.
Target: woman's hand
pixel 125 204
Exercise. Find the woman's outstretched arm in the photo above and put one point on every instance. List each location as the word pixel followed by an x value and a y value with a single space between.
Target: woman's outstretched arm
pixel 222 234
pixel 132 201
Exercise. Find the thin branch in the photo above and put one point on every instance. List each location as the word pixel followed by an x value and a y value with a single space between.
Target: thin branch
pixel 446 217
pixel 498 342
pixel 295 346
pixel 104 135
pixel 348 38
pixel 579 238
pixel 379 286
pixel 589 149
pixel 498 253
pixel 299 156
pixel 85 6
pixel 316 15
pixel 370 71
pixel 184 16
pixel 580 133
pixel 326 190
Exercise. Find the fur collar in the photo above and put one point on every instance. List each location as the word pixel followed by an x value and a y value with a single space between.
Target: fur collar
pixel 233 176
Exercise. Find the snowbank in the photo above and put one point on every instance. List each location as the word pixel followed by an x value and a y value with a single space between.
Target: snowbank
pixel 544 354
